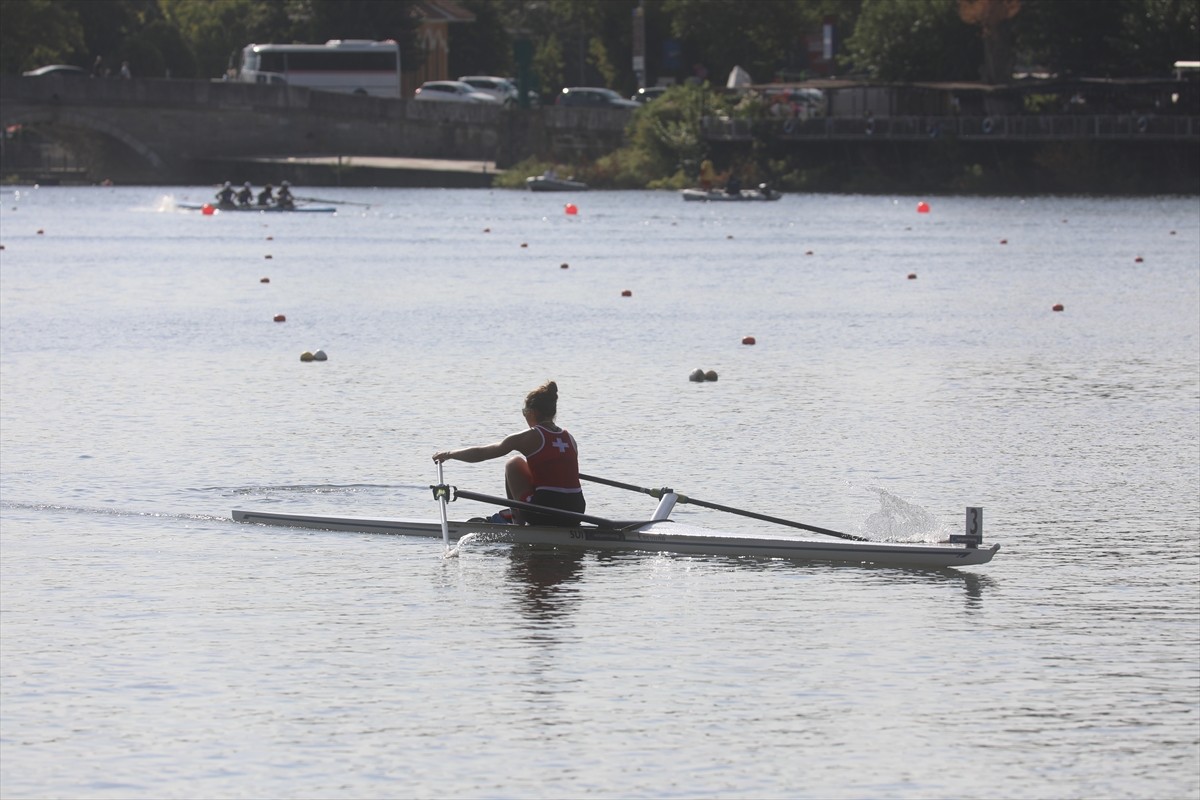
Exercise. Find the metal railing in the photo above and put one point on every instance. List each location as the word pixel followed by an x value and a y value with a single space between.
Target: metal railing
pixel 997 128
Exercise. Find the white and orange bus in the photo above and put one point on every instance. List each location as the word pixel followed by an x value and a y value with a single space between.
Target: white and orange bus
pixel 349 66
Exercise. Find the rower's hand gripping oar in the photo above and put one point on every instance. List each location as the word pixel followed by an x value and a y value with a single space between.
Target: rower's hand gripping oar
pixel 658 493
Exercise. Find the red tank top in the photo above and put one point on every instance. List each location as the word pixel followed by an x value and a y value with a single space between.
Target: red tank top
pixel 555 465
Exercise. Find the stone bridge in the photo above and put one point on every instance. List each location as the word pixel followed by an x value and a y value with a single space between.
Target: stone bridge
pixel 150 130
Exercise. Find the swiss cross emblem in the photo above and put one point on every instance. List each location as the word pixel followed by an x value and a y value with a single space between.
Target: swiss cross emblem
pixel 560 444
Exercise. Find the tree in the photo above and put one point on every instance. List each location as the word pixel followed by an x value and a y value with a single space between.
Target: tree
pixel 1075 37
pixel 482 47
pixel 39 32
pixel 915 40
pixel 763 37
pixel 993 17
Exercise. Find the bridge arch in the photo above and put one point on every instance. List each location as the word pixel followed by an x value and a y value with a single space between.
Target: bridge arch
pixel 82 121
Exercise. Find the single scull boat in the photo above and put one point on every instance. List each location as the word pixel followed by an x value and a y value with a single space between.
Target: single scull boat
pixel 657 534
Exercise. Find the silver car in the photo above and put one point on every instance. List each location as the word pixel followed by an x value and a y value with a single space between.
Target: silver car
pixel 453 92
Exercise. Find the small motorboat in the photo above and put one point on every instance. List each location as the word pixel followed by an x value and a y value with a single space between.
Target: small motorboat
pixel 725 196
pixel 550 183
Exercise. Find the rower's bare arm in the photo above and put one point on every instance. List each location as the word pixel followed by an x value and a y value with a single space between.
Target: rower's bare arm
pixel 486 452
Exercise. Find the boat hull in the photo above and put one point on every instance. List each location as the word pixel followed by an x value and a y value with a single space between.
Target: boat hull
pixel 654 536
pixel 744 196
pixel 543 184
pixel 260 209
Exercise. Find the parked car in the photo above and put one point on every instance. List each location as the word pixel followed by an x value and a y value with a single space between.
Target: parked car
pixel 453 92
pixel 501 88
pixel 593 97
pixel 66 70
pixel 649 93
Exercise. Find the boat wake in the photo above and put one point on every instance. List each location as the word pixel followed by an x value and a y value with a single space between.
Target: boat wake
pixel 111 512
pixel 306 488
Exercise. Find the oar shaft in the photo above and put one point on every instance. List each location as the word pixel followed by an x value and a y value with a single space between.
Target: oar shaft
pixel 776 520
pixel 619 485
pixel 716 507
pixel 335 202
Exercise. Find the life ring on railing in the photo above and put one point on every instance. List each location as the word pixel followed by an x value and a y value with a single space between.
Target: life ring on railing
pixel 870 127
pixel 988 125
pixel 790 125
pixel 1142 124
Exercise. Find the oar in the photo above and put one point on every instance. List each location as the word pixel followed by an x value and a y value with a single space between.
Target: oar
pixel 335 202
pixel 442 493
pixel 658 493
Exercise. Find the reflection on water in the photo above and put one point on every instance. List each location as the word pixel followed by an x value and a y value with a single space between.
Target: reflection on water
pixel 544 581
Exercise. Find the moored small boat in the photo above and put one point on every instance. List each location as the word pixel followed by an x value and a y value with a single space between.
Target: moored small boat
pixel 723 196
pixel 543 183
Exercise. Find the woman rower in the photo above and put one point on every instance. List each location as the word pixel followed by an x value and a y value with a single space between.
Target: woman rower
pixel 547 471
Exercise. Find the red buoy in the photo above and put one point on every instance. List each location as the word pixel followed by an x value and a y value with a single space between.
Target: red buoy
pixel 748 340
pixel 1004 241
pixel 626 293
pixel 1057 307
pixel 922 207
pixel 912 276
pixel 207 209
pixel 280 318
pixel 1137 260
pixel 571 209
pixel 264 280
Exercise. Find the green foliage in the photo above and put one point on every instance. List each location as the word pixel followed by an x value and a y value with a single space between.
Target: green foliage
pixel 39 32
pixel 915 40
pixel 598 57
pixel 764 37
pixel 483 47
pixel 590 43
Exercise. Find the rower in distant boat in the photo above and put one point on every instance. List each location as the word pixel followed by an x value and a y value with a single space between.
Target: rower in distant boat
pixel 547 471
pixel 266 196
pixel 284 199
pixel 225 196
pixel 245 195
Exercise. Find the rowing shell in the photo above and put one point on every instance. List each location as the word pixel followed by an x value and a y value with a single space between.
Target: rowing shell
pixel 660 536
pixel 267 209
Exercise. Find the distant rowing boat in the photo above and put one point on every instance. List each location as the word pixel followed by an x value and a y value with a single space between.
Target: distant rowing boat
pixel 658 534
pixel 262 209
pixel 719 196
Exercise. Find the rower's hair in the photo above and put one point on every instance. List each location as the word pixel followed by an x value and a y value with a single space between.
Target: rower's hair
pixel 544 401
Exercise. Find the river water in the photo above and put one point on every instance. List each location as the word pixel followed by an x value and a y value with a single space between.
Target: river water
pixel 151 647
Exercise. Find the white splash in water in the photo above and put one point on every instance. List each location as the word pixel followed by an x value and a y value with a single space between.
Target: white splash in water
pixel 898 520
pixel 454 551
